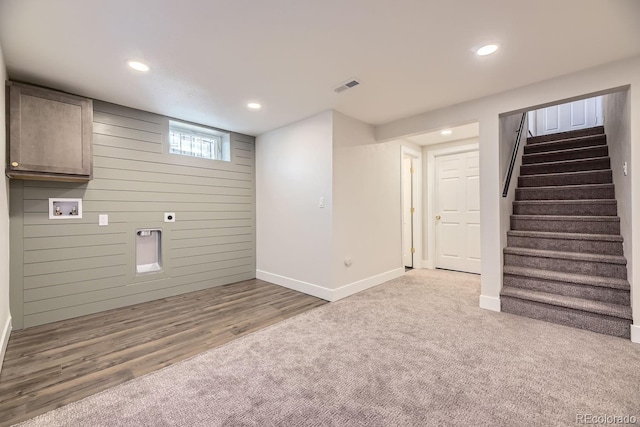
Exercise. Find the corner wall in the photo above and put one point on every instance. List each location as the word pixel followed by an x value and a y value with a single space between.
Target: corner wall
pixel 303 246
pixel 600 80
pixel 5 315
pixel 367 217
pixel 294 234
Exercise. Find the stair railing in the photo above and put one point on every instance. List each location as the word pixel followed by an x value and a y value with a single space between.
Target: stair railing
pixel 514 156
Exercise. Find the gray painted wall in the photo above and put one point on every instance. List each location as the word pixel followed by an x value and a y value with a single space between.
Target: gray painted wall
pixel 67 268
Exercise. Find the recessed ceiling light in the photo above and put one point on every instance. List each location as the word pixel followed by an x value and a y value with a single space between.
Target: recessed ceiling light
pixel 446 132
pixel 487 49
pixel 254 106
pixel 138 66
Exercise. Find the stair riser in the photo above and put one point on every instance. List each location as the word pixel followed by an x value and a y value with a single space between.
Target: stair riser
pixel 568 317
pixel 584 165
pixel 594 293
pixel 587 227
pixel 593 268
pixel 566 145
pixel 559 156
pixel 565 209
pixel 561 193
pixel 595 177
pixel 599 130
pixel 567 245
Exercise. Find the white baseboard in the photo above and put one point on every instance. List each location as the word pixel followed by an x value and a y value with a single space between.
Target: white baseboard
pixel 425 263
pixel 489 303
pixel 635 334
pixel 326 293
pixel 369 282
pixel 296 285
pixel 4 339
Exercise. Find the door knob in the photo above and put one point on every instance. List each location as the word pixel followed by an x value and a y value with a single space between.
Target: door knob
pixel 437 217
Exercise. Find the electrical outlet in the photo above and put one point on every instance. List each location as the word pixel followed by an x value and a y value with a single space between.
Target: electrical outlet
pixel 169 217
pixel 103 219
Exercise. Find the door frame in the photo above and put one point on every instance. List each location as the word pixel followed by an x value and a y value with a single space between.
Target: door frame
pixel 430 221
pixel 416 179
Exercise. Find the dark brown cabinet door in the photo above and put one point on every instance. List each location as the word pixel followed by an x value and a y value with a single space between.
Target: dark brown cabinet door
pixel 50 134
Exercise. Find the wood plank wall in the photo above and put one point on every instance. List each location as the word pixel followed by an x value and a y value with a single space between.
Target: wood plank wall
pixel 71 267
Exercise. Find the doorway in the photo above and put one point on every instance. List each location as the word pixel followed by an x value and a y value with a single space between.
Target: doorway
pixel 454 208
pixel 580 114
pixel 410 199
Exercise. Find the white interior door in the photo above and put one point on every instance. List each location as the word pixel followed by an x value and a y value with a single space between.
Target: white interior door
pixel 407 211
pixel 579 114
pixel 457 207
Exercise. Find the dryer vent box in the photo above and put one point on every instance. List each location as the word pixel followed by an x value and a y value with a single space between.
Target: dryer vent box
pixel 148 251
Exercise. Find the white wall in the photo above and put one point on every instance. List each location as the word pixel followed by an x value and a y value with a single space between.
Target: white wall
pixel 294 235
pixel 367 215
pixel 302 246
pixel 508 132
pixel 5 315
pixel 595 81
pixel 617 123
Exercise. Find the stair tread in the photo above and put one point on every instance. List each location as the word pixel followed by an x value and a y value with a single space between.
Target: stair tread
pixel 595 130
pixel 584 279
pixel 566 187
pixel 567 201
pixel 578 256
pixel 588 159
pixel 563 174
pixel 564 140
pixel 566 150
pixel 563 235
pixel 574 218
pixel 597 307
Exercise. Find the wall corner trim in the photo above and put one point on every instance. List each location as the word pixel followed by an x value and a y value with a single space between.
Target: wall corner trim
pixel 635 334
pixel 4 339
pixel 369 282
pixel 490 303
pixel 297 285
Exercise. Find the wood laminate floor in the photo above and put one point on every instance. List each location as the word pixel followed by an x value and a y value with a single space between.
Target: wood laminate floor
pixel 49 366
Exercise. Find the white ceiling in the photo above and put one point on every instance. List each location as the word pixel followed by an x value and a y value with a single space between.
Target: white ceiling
pixel 209 58
pixel 471 130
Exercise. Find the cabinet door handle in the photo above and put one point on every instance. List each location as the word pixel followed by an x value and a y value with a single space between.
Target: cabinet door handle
pixel 438 217
pixel 14 164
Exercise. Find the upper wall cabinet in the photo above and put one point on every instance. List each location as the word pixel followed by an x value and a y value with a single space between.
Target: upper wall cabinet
pixel 49 134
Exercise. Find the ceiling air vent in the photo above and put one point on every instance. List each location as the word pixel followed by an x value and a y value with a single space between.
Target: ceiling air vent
pixel 346 85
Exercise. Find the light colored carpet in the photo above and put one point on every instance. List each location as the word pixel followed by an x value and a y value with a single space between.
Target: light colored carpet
pixel 415 351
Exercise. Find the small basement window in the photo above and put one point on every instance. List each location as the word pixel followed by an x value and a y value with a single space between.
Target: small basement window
pixel 198 141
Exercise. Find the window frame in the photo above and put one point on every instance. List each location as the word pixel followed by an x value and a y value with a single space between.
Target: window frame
pixel 213 136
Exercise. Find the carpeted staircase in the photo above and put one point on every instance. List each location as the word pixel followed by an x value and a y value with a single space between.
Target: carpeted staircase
pixel 564 262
